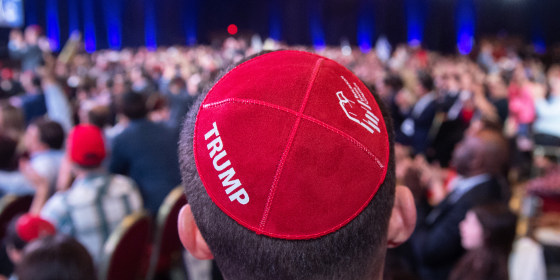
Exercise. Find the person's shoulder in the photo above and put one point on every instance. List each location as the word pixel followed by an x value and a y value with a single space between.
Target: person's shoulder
pixel 55 205
pixel 121 184
pixel 483 192
pixel 119 179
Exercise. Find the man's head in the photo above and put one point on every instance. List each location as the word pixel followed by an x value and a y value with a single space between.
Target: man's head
pixel 289 171
pixel 133 105
pixel 8 147
pixel 86 146
pixel 56 257
pixel 425 83
pixel 23 229
pixel 43 135
pixel 177 85
pixel 484 151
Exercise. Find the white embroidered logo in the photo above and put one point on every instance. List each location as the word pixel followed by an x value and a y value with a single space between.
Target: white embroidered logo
pixel 361 112
pixel 217 153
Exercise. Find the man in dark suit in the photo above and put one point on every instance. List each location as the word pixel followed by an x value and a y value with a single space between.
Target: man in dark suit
pixel 416 127
pixel 436 242
pixel 450 105
pixel 147 152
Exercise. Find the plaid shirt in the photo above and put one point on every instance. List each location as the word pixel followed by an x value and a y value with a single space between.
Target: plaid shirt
pixel 92 208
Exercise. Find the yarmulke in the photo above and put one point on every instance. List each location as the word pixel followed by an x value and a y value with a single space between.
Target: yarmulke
pixel 291 145
pixel 86 146
pixel 29 227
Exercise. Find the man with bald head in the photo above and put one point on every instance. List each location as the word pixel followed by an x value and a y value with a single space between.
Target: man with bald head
pixel 479 160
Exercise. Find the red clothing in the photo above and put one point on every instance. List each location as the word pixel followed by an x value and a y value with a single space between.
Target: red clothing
pixel 547 188
pixel 521 105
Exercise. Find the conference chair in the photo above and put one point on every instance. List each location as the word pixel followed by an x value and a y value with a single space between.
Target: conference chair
pixel 11 206
pixel 167 248
pixel 126 252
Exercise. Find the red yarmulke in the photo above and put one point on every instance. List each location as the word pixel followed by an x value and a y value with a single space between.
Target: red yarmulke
pixel 291 145
pixel 29 227
pixel 86 146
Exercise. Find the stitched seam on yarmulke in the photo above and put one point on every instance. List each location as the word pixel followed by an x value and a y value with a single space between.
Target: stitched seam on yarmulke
pixel 347 137
pixel 289 145
pixel 309 118
pixel 250 102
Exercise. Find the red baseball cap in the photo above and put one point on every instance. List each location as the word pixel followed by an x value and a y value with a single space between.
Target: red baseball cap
pixel 86 146
pixel 30 227
pixel 291 145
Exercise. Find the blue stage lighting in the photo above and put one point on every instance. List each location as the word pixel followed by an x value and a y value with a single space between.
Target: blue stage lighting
pixel 89 26
pixel 415 21
pixel 73 16
pixel 275 22
pixel 112 11
pixel 30 7
pixel 316 25
pixel 366 25
pixel 465 26
pixel 53 27
pixel 190 20
pixel 150 24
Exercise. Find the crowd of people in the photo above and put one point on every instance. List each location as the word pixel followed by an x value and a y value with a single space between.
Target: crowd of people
pixel 94 138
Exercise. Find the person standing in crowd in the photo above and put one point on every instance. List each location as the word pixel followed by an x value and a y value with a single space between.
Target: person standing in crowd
pixel 56 101
pixel 521 106
pixel 12 121
pixel 25 47
pixel 436 242
pixel 146 151
pixel 44 141
pixel 487 233
pixel 416 127
pixel 179 100
pixel 97 201
pixel 546 127
pixel 12 180
pixel 33 101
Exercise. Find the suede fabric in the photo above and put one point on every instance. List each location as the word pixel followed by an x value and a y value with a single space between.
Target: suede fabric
pixel 291 145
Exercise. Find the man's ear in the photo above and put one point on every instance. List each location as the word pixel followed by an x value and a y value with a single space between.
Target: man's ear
pixel 190 235
pixel 403 217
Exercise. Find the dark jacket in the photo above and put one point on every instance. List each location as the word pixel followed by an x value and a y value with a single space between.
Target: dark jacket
pixel 422 124
pixel 436 242
pixel 147 152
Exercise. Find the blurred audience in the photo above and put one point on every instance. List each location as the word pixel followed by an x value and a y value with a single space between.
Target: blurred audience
pixel 451 115
pixel 21 230
pixel 147 152
pixel 96 202
pixel 478 161
pixel 487 233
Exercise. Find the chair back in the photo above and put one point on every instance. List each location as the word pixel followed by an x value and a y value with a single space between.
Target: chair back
pixel 167 246
pixel 126 252
pixel 11 206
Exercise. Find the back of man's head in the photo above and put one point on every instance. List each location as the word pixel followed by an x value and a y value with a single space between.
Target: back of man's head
pixel 133 105
pixel 494 151
pixel 55 257
pixel 51 133
pixel 289 172
pixel 426 81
